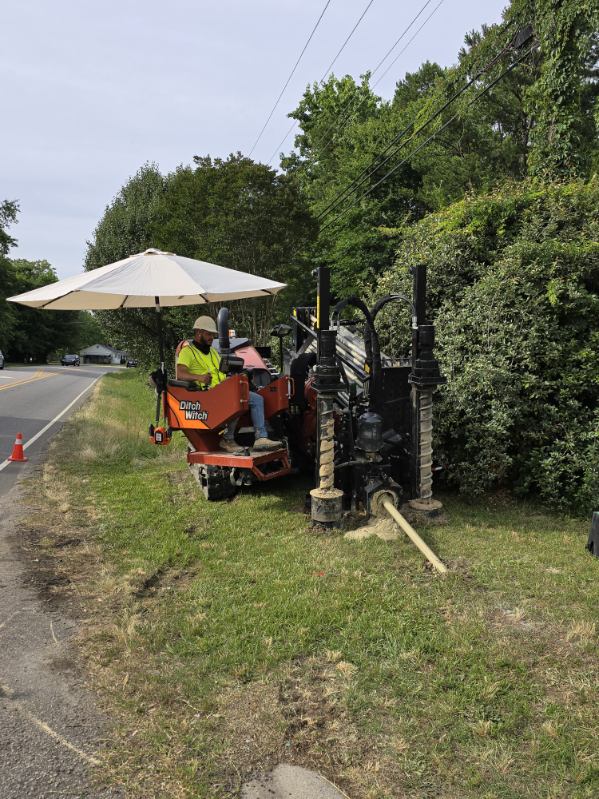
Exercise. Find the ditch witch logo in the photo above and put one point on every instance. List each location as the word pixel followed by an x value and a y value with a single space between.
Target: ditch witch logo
pixel 193 411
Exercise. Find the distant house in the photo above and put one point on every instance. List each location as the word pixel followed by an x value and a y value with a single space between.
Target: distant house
pixel 102 353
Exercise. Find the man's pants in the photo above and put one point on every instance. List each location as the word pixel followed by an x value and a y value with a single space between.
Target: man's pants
pixel 257 414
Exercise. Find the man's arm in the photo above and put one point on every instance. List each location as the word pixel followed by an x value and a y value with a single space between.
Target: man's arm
pixel 183 373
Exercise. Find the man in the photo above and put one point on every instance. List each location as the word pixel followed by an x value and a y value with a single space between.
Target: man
pixel 199 362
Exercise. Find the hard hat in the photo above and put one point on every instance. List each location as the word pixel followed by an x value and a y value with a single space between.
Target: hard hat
pixel 205 323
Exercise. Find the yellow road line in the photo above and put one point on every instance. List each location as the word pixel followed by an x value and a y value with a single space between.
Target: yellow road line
pixel 37 376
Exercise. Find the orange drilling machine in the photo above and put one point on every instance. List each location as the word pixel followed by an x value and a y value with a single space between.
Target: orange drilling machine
pixel 359 420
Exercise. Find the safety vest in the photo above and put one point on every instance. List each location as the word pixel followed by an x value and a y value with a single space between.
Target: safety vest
pixel 200 363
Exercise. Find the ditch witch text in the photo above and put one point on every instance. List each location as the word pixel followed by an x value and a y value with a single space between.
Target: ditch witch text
pixel 193 410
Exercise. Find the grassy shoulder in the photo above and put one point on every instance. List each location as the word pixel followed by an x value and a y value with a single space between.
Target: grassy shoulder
pixel 227 637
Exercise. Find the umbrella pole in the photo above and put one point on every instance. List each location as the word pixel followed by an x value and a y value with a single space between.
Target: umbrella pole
pixel 162 361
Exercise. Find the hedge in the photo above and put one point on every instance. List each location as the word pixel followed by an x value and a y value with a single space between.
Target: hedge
pixel 514 294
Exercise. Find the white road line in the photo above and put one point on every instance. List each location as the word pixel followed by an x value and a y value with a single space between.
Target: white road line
pixel 10 618
pixel 9 694
pixel 52 631
pixel 31 441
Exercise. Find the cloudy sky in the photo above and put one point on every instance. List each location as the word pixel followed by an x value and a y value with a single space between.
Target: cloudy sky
pixel 92 90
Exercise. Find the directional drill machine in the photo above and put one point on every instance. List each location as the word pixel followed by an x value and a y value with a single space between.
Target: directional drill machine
pixel 359 420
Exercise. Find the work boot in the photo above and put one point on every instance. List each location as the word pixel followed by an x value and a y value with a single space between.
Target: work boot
pixel 227 445
pixel 267 443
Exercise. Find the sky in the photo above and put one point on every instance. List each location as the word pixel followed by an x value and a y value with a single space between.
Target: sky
pixel 93 90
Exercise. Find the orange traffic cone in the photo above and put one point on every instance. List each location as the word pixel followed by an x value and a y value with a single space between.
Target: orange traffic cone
pixel 17 451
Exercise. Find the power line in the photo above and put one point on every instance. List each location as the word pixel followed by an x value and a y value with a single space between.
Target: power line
pixel 432 136
pixel 290 76
pixel 325 73
pixel 376 164
pixel 353 105
pixel 398 40
pixel 403 50
pixel 342 48
pixel 282 142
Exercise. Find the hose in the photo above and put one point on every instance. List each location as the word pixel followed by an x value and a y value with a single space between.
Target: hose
pixel 371 345
pixel 222 325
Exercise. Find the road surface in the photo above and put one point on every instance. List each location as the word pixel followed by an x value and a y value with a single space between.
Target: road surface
pixel 50 729
pixel 31 398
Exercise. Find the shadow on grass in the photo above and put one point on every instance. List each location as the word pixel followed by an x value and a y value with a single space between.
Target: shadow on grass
pixel 286 494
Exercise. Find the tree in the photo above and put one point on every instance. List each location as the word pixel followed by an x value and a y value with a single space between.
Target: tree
pixel 381 169
pixel 242 215
pixel 36 333
pixel 564 99
pixel 8 216
pixel 127 228
pixel 232 212
pixel 28 333
pixel 88 331
pixel 343 128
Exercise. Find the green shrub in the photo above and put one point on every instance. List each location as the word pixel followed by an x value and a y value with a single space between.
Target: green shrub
pixel 514 294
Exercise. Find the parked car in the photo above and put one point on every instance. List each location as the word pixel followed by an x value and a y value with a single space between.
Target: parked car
pixel 131 363
pixel 70 360
pixel 1 360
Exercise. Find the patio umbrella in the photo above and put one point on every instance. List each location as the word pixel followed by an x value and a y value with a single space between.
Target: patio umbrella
pixel 146 280
pixel 149 279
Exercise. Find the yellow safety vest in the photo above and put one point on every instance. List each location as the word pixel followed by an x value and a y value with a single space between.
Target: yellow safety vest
pixel 200 363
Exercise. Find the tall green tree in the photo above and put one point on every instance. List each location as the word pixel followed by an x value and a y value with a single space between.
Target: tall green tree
pixel 242 215
pixel 343 128
pixel 125 228
pixel 127 223
pixel 563 101
pixel 8 216
pixel 540 118
pixel 28 334
pixel 232 212
pixel 37 333
pixel 380 169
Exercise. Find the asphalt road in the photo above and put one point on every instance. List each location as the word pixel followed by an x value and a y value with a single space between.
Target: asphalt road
pixel 30 398
pixel 50 729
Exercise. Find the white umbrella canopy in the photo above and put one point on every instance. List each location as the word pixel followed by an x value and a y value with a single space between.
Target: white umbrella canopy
pixel 146 280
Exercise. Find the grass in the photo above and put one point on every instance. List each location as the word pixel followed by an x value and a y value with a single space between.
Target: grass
pixel 227 637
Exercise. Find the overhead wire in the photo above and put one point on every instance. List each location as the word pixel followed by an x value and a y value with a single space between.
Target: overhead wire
pixel 349 109
pixel 403 50
pixel 291 74
pixel 343 46
pixel 282 142
pixel 325 74
pixel 376 164
pixel 394 169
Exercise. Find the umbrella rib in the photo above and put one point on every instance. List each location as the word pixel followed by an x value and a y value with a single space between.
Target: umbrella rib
pixel 123 302
pixel 45 305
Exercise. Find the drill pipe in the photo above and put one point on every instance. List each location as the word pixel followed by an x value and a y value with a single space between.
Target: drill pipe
pixel 327 445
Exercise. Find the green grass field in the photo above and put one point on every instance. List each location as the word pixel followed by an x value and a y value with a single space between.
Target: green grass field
pixel 227 637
